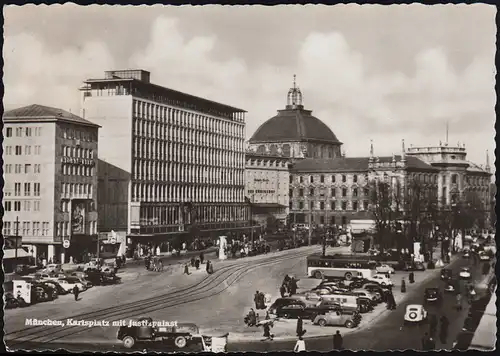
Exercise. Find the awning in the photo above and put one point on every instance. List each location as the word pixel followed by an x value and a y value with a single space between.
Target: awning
pixel 11 253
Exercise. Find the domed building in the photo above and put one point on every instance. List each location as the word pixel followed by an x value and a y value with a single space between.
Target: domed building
pixel 295 133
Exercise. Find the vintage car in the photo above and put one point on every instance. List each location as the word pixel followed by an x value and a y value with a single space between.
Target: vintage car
pixel 144 331
pixel 465 273
pixel 380 279
pixel 366 294
pixel 483 256
pixel 432 295
pixel 337 318
pixel 384 268
pixel 446 274
pixel 69 283
pixel 415 313
pixel 451 286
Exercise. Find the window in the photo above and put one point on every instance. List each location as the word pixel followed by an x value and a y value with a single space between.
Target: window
pixel 27 205
pixel 366 192
pixel 7 205
pixel 8 150
pixel 344 178
pixel 344 220
pixel 344 205
pixel 45 229
pixel 291 179
pixel 37 150
pixel 8 168
pixel 18 168
pixel 19 131
pixel 355 192
pixel 311 179
pixel 344 192
pixel 322 220
pixel 332 220
pixel 301 205
pixel 365 205
pixel 17 189
pixel 28 131
pixel 301 179
pixel 27 190
pixel 322 205
pixel 6 228
pixel 311 191
pixel 454 179
pixel 311 205
pixel 19 150
pixel 290 192
pixel 332 205
pixel 17 206
pixel 27 150
pixel 38 131
pixel 290 205
pixel 333 178
pixel 355 205
pixel 355 178
pixel 8 132
pixel 322 179
pixel 36 189
pixel 27 168
pixel 37 168
pixel 36 205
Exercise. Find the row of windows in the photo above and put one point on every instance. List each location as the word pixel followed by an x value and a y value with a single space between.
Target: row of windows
pixel 86 135
pixel 26 205
pixel 63 228
pixel 343 178
pixel 178 152
pixel 27 189
pixel 183 193
pixel 19 169
pixel 77 169
pixel 322 220
pixel 26 228
pixel 18 150
pixel 65 206
pixel 174 172
pixel 163 114
pixel 333 206
pixel 77 152
pixel 333 192
pixel 76 189
pixel 24 131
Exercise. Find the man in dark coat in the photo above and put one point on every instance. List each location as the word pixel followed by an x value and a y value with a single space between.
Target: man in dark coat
pixel 192 261
pixel 282 291
pixel 337 341
pixel 186 269
pixel 300 326
pixel 256 299
pixel 293 286
pixel 75 292
pixel 202 257
pixel 262 300
pixel 197 264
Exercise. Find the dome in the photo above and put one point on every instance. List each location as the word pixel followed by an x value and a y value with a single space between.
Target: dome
pixel 294 124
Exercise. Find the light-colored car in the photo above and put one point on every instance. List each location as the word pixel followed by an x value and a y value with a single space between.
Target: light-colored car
pixel 384 268
pixel 415 313
pixel 336 318
pixel 381 279
pixel 53 268
pixel 366 294
pixel 464 273
pixel 483 256
pixel 68 284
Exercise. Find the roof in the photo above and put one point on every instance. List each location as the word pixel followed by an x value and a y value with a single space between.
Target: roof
pixel 174 93
pixel 294 125
pixel 474 168
pixel 353 164
pixel 37 113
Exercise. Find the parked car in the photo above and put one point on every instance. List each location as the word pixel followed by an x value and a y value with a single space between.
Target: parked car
pixel 385 268
pixel 68 284
pixel 380 279
pixel 466 254
pixel 446 274
pixel 377 289
pixel 49 289
pixel 293 311
pixel 366 294
pixel 465 273
pixel 86 283
pixel 365 305
pixel 483 256
pixel 54 268
pixel 59 289
pixel 336 318
pixel 415 313
pixel 358 283
pixel 432 295
pixel 39 294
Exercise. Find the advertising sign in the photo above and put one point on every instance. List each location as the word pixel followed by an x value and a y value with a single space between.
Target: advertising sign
pixel 78 217
pixel 22 289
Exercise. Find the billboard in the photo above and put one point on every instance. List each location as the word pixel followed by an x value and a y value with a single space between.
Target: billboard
pixel 78 217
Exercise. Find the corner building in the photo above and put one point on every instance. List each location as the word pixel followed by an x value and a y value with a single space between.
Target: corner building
pixel 169 161
pixel 50 161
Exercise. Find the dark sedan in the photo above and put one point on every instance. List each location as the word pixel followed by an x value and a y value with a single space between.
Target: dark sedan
pixel 432 295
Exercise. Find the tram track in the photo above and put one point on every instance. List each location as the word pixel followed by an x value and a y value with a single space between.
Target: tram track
pixel 211 286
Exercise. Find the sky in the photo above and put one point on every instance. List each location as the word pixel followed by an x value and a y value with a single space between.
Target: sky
pixel 371 72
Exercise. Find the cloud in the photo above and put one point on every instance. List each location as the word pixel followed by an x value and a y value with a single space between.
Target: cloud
pixel 355 99
pixel 34 75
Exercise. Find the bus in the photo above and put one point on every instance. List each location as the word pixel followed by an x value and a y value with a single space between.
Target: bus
pixel 340 266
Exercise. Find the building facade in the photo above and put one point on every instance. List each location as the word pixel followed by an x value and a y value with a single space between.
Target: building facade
pixel 50 170
pixel 266 186
pixel 168 161
pixel 459 179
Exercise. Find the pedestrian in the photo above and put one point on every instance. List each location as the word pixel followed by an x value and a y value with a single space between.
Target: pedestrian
pixel 186 269
pixel 75 292
pixel 337 341
pixel 411 277
pixel 282 291
pixel 300 345
pixel 300 327
pixel 432 324
pixel 403 286
pixel 267 331
pixel 256 300
pixel 293 286
pixel 459 301
pixel 192 261
pixel 208 267
pixel 262 300
pixel 197 264
pixel 443 334
pixel 202 257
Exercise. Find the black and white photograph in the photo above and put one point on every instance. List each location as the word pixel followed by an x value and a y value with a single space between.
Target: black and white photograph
pixel 249 178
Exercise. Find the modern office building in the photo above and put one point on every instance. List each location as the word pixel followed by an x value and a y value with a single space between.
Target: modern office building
pixel 266 186
pixel 50 192
pixel 170 163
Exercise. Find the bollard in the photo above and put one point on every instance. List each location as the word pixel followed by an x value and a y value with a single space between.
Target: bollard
pixel 412 277
pixel 403 286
